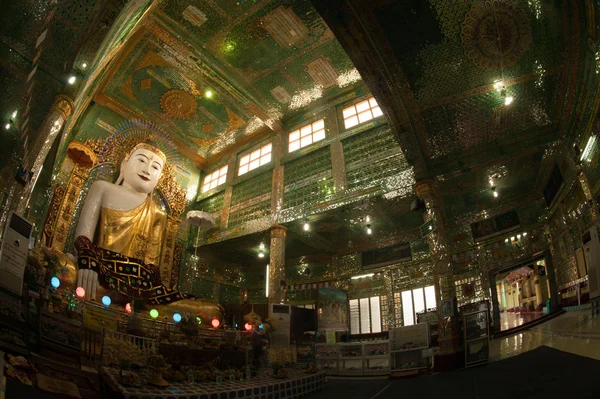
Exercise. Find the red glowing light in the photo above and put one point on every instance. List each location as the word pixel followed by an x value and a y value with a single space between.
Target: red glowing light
pixel 80 292
pixel 128 308
pixel 248 326
pixel 215 323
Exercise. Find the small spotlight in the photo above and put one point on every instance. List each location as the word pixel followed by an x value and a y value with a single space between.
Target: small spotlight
pixel 72 80
pixel 368 218
pixel 84 65
pixel 518 236
pixel 306 226
pixel 524 234
pixel 491 182
pixel 495 194
pixel 261 255
pixel 7 126
pixel 506 240
pixel 208 94
pixel 512 238
pixel 498 85
pixel 508 100
pixel 369 231
pixel 14 114
pixel 261 246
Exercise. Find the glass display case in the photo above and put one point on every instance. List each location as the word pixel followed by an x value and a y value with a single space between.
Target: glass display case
pixel 357 358
pixel 476 337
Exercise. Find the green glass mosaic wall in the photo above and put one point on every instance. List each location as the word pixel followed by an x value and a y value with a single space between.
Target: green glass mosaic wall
pixel 229 294
pixel 257 296
pixel 203 288
pixel 308 179
pixel 212 205
pixel 372 156
pixel 245 206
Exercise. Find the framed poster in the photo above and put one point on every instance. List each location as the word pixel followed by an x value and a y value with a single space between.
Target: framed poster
pixel 409 337
pixel 447 308
pixel 580 259
pixel 332 309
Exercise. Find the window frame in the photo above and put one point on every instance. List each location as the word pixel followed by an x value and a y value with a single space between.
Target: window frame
pixel 252 157
pixel 369 309
pixel 297 138
pixel 215 175
pixel 369 113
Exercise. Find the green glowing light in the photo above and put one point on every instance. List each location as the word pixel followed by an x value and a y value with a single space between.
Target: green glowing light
pixel 154 313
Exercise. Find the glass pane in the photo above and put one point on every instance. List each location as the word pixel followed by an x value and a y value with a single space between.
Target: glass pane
pixel 318 135
pixel 362 106
pixel 294 135
pixel 207 179
pixel 222 179
pixel 265 159
pixel 245 159
pixel 243 169
pixel 349 111
pixel 365 116
pixel 254 164
pixel 318 125
pixel 407 308
pixel 377 112
pixel 305 131
pixel 375 314
pixel 266 149
pixel 350 122
pixel 354 314
pixel 365 325
pixel 294 146
pixel 213 184
pixel 306 141
pixel 223 171
pixel 254 155
pixel 205 188
pixel 419 300
pixel 372 102
pixel 430 297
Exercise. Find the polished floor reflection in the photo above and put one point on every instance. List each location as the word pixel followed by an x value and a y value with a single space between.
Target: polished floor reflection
pixel 510 320
pixel 576 332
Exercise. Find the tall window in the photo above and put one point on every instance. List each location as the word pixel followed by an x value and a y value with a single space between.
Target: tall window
pixel 361 112
pixel 365 315
pixel 215 179
pixel 416 301
pixel 255 159
pixel 306 135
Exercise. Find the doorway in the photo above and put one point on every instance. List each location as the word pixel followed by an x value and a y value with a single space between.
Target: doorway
pixel 523 293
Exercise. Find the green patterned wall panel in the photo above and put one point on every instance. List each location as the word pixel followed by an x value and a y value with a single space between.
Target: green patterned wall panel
pixel 229 294
pixel 251 199
pixel 257 296
pixel 308 179
pixel 203 288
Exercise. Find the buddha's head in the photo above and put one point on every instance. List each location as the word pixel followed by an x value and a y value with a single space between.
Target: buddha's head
pixel 142 167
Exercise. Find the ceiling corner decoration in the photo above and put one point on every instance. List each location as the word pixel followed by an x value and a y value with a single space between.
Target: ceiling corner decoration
pixel 495 34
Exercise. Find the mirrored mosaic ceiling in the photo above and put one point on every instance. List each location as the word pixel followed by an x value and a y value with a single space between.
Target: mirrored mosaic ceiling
pixel 214 73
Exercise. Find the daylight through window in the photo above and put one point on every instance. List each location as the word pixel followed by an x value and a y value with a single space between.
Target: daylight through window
pixel 361 112
pixel 255 159
pixel 215 179
pixel 306 135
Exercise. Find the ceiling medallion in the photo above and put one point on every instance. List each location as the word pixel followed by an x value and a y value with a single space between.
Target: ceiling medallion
pixel 495 34
pixel 179 104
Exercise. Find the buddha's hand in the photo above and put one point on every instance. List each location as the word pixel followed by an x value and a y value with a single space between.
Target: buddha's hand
pixel 88 279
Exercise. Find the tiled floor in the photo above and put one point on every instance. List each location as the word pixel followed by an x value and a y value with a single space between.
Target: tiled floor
pixel 575 332
pixel 510 320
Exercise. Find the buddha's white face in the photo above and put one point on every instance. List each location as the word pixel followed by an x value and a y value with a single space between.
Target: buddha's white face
pixel 142 170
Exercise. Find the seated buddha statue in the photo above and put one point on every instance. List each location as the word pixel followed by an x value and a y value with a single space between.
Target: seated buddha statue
pixel 120 232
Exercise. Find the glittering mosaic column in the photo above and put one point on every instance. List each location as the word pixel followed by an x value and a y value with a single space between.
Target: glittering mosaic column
pixel 277 265
pixel 338 166
pixel 59 113
pixel 584 183
pixel 228 191
pixel 427 190
pixel 277 183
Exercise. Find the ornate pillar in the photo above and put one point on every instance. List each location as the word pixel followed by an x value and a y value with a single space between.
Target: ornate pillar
pixel 338 166
pixel 277 265
pixel 59 113
pixel 228 191
pixel 277 182
pixel 427 190
pixel 584 183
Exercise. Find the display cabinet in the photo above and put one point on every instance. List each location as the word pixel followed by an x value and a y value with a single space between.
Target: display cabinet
pixel 476 337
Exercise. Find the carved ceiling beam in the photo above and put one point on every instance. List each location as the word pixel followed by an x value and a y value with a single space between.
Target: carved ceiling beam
pixel 373 56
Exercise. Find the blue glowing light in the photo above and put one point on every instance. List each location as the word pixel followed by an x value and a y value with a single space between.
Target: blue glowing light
pixel 106 300
pixel 261 326
pixel 55 282
pixel 177 317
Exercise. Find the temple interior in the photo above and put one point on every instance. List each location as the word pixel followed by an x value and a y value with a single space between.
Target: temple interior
pixel 265 199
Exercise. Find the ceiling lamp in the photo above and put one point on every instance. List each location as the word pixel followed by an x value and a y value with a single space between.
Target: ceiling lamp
pixel 495 192
pixel 306 226
pixel 14 114
pixel 508 100
pixel 72 79
pixel 261 255
pixel 208 94
pixel 369 231
pixel 261 246
pixel 498 85
pixel 84 65
pixel 587 149
pixel 7 126
pixel 368 219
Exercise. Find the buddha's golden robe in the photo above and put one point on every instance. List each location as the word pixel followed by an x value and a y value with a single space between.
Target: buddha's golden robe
pixel 136 233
